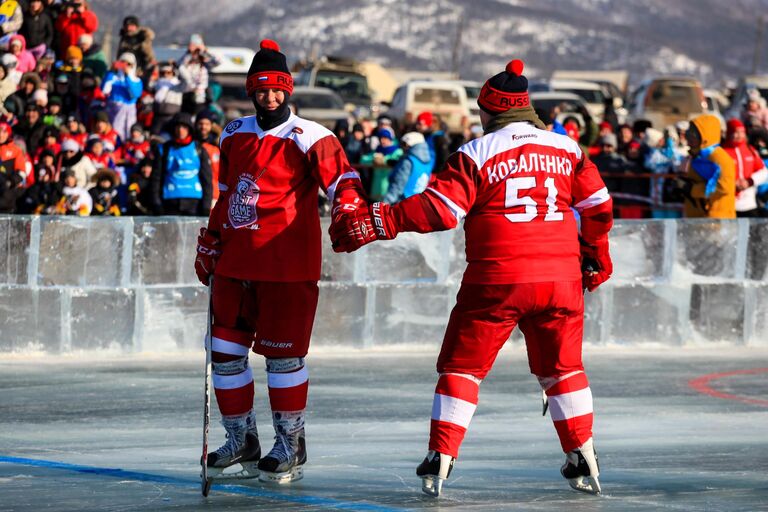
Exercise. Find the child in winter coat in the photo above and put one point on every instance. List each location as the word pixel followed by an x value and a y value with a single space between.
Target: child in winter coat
pixel 104 194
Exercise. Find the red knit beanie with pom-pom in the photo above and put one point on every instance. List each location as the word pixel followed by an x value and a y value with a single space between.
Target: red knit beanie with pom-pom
pixel 506 90
pixel 269 70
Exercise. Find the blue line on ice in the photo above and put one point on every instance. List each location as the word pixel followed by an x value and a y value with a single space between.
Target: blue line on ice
pixel 180 482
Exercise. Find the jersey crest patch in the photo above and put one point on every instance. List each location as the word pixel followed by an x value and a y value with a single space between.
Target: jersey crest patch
pixel 242 203
pixel 233 126
pixel 297 129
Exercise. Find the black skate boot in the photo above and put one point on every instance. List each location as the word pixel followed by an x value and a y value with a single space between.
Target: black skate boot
pixel 242 447
pixel 582 469
pixel 435 468
pixel 284 463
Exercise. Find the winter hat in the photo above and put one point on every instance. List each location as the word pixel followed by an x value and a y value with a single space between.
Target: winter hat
pixel 425 117
pixel 128 57
pixel 385 132
pixel 653 137
pixel 412 138
pixel 572 129
pixel 101 115
pixel 605 125
pixel 196 40
pixel 107 174
pixel 506 90
pixel 74 52
pixel 70 145
pixel 136 127
pixel 9 60
pixel 609 139
pixel 62 78
pixel 184 119
pixel 731 126
pixel 85 40
pixel 269 70
pixel 54 100
pixel 207 114
pixel 5 126
pixel 40 95
pixel 130 20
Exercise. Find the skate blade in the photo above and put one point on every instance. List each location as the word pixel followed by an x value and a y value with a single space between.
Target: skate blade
pixel 286 477
pixel 587 484
pixel 240 471
pixel 431 485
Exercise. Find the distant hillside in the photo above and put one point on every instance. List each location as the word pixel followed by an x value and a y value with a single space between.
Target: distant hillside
pixel 646 37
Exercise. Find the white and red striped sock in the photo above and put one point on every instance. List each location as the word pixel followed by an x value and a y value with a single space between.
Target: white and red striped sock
pixel 288 390
pixel 570 406
pixel 454 404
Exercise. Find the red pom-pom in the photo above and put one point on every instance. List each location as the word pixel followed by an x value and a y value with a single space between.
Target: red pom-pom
pixel 268 44
pixel 515 67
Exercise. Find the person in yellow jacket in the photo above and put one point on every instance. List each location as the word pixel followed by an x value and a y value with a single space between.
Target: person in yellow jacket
pixel 709 186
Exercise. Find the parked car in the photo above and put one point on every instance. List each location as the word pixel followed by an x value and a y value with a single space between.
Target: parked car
pixel 591 92
pixel 447 98
pixel 568 105
pixel 716 103
pixel 342 76
pixel 473 92
pixel 319 104
pixel 746 84
pixel 666 100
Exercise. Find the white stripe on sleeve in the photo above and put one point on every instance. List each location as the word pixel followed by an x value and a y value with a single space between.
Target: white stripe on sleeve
pixel 332 189
pixel 456 210
pixel 595 199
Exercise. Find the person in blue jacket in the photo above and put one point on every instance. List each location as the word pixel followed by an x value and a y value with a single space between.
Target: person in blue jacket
pixel 412 172
pixel 123 89
pixel 181 180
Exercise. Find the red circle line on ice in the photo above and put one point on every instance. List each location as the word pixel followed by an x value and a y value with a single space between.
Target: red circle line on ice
pixel 701 384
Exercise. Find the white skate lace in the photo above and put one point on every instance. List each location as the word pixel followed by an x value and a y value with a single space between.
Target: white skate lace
pixel 229 448
pixel 282 450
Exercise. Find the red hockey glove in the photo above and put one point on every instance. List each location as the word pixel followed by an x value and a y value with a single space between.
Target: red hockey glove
pixel 596 265
pixel 350 231
pixel 208 252
pixel 348 197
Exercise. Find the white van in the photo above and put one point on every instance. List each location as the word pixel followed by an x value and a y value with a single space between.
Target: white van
pixel 446 98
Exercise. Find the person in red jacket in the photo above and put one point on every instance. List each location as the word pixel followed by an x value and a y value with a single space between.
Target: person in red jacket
pixel 75 20
pixel 262 244
pixel 750 169
pixel 527 263
pixel 11 156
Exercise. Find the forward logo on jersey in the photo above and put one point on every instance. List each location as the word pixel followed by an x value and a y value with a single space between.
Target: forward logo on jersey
pixel 242 203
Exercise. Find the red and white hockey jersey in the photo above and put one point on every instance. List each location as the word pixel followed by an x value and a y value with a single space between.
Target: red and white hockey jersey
pixel 516 187
pixel 267 213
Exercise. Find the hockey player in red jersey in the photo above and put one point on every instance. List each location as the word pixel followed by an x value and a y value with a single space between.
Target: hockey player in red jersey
pixel 527 265
pixel 262 244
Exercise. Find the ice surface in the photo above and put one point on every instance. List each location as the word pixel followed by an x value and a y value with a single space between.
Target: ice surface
pixel 662 445
pixel 14 246
pixel 102 318
pixel 30 319
pixel 164 250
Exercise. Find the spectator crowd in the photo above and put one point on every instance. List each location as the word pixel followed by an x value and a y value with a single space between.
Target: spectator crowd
pixel 83 134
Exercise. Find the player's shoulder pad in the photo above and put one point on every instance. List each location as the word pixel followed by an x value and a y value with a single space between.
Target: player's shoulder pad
pixel 303 132
pixel 245 124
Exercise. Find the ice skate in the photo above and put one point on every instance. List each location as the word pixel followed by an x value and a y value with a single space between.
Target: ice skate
pixel 582 469
pixel 435 468
pixel 285 462
pixel 239 456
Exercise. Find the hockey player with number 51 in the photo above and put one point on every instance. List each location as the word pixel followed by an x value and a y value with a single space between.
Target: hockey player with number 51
pixel 527 266
pixel 262 245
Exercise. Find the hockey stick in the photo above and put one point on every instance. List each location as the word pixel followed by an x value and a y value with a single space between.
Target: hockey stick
pixel 205 481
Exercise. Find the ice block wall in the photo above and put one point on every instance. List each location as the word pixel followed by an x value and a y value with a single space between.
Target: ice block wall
pixel 74 284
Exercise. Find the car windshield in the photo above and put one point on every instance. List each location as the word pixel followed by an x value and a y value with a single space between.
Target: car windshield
pixel 314 100
pixel 232 91
pixel 589 95
pixel 677 97
pixel 437 96
pixel 548 104
pixel 473 91
pixel 348 85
